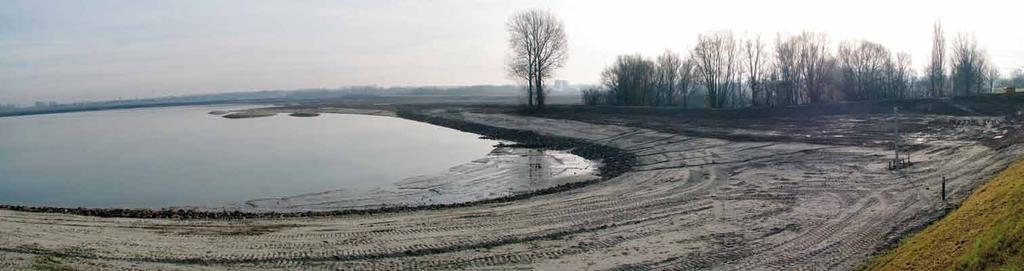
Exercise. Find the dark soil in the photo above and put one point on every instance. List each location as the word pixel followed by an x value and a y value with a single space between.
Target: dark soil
pixel 246 115
pixel 304 114
pixel 854 123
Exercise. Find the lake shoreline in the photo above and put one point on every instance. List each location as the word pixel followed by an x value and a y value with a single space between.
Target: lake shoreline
pixel 612 163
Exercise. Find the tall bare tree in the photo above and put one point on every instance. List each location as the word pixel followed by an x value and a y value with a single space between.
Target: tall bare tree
pixel 667 77
pixel 539 46
pixel 993 77
pixel 968 65
pixel 786 74
pixel 899 77
pixel 813 58
pixel 687 79
pixel 755 60
pixel 936 69
pixel 715 57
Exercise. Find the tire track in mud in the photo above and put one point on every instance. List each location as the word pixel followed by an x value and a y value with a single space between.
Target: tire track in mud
pixel 577 209
pixel 616 220
pixel 639 207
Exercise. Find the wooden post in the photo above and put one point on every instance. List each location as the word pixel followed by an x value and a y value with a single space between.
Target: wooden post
pixel 943 188
pixel 896 114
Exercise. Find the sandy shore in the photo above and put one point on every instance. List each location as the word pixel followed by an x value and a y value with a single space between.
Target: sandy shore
pixel 688 203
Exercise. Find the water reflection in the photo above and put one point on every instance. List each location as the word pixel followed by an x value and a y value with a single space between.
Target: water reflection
pixel 162 157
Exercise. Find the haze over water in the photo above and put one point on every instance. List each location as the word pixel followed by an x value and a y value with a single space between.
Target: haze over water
pixel 152 158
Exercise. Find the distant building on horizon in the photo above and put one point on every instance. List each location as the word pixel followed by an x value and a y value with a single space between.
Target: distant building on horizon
pixel 562 86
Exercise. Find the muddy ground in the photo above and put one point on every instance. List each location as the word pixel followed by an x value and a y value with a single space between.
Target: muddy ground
pixel 504 173
pixel 759 189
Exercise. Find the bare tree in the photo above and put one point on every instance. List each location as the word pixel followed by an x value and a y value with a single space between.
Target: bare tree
pixel 755 60
pixel 687 78
pixel 667 77
pixel 637 80
pixel 539 46
pixel 901 77
pixel 593 96
pixel 786 73
pixel 936 69
pixel 967 65
pixel 863 65
pixel 716 66
pixel 630 80
pixel 993 76
pixel 800 69
pixel 1017 78
pixel 518 69
pixel 813 55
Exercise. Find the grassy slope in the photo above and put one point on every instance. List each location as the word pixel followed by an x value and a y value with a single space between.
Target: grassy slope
pixel 985 233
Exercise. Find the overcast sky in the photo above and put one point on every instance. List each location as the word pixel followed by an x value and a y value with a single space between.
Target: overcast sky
pixel 97 49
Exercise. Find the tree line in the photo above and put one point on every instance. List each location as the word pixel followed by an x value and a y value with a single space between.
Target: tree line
pixel 729 71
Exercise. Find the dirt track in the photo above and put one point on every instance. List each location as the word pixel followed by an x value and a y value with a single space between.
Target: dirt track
pixel 689 203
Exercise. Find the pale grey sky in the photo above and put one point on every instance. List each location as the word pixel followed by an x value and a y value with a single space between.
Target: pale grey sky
pixel 99 49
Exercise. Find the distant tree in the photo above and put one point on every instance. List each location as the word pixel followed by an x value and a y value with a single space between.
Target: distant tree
pixel 637 80
pixel 993 77
pixel 919 86
pixel 863 65
pixel 539 46
pixel 901 76
pixel 630 80
pixel 755 62
pixel 813 58
pixel 968 65
pixel 1017 78
pixel 985 68
pixel 935 72
pixel 593 96
pixel 687 79
pixel 800 69
pixel 667 78
pixel 786 72
pixel 869 71
pixel 717 66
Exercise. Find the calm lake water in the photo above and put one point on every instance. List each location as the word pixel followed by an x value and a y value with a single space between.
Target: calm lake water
pixel 182 156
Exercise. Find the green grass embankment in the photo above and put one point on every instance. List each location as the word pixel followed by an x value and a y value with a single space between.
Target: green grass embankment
pixel 985 233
